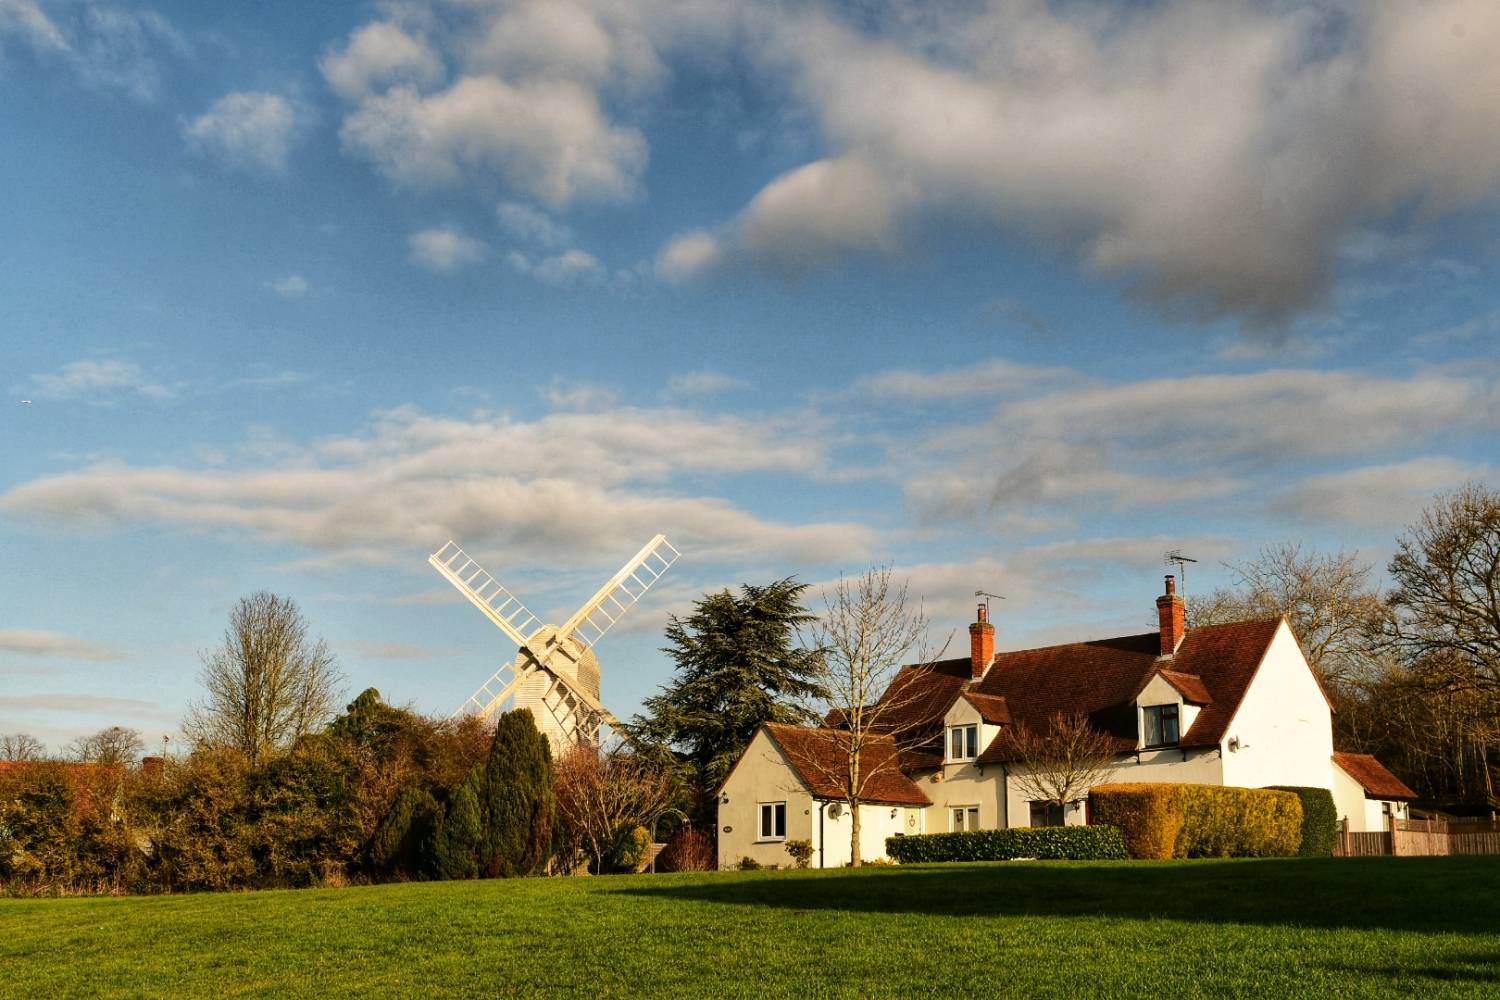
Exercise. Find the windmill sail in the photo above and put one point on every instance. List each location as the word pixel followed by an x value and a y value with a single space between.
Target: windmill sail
pixel 590 622
pixel 485 592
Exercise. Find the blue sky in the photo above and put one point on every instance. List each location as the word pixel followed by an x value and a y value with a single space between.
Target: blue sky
pixel 1015 296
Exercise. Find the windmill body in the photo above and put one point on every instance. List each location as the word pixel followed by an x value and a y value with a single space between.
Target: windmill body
pixel 555 672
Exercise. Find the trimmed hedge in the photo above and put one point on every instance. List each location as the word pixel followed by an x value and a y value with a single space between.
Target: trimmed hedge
pixel 1048 843
pixel 1320 820
pixel 1200 821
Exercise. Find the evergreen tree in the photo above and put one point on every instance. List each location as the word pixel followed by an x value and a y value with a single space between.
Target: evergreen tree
pixel 458 834
pixel 394 850
pixel 518 804
pixel 737 665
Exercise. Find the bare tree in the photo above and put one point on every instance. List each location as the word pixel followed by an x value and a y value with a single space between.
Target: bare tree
pixel 115 745
pixel 869 626
pixel 601 794
pixel 1060 764
pixel 21 746
pixel 267 684
pixel 1327 598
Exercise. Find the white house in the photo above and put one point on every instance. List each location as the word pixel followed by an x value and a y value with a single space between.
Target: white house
pixel 1232 704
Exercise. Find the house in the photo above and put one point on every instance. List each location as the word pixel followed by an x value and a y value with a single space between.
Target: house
pixel 1368 794
pixel 1231 704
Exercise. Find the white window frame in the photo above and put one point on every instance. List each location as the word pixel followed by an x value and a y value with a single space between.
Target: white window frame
pixel 762 811
pixel 963 818
pixel 970 739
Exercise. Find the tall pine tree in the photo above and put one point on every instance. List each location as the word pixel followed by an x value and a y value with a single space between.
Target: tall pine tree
pixel 738 664
pixel 518 804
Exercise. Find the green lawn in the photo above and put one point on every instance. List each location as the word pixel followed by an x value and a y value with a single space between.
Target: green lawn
pixel 1316 928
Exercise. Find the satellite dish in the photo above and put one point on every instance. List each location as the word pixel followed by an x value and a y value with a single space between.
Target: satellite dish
pixel 835 810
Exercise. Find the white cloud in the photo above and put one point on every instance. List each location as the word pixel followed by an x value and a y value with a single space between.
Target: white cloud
pixel 549 140
pixel 87 703
pixel 688 255
pixel 248 132
pixel 1378 496
pixel 388 650
pixel 1216 159
pixel 289 286
pixel 377 55
pixel 562 269
pixel 101 382
pixel 26 20
pixel 32 642
pixel 106 47
pixel 704 383
pixel 990 377
pixel 529 225
pixel 567 394
pixel 444 250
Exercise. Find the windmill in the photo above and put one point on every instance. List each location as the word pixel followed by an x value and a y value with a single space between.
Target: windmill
pixel 555 674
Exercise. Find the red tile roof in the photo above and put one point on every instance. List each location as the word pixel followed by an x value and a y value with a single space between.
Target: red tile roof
pixel 820 758
pixel 913 706
pixel 1101 680
pixel 991 708
pixel 1189 686
pixel 1372 775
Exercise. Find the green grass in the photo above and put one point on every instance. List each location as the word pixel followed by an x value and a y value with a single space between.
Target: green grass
pixel 1306 928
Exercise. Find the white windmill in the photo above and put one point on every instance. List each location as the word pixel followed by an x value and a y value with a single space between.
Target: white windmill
pixel 556 674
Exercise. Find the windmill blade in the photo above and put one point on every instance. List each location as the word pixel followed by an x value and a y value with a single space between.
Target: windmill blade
pixel 485 592
pixel 619 595
pixel 493 692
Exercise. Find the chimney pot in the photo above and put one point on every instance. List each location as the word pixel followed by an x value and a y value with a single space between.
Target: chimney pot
pixel 981 644
pixel 1172 614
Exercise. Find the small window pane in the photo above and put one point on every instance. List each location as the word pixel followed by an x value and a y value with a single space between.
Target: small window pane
pixel 781 819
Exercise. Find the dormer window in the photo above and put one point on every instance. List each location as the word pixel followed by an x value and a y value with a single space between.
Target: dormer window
pixel 1161 726
pixel 963 742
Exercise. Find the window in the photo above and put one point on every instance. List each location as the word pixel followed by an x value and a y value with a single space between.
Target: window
pixel 1161 726
pixel 773 821
pixel 963 742
pixel 1046 814
pixel 964 818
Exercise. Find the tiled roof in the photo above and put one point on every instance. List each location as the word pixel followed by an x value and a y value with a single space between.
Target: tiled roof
pixel 1189 686
pixel 1372 775
pixel 820 758
pixel 991 708
pixel 917 699
pixel 1101 679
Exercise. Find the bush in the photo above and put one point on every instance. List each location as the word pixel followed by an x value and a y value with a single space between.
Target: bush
pixel 749 864
pixel 1320 820
pixel 687 850
pixel 1200 821
pixel 1048 843
pixel 633 852
pixel 516 799
pixel 801 852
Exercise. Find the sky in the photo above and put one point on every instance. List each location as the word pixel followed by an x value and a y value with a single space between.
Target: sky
pixel 1011 296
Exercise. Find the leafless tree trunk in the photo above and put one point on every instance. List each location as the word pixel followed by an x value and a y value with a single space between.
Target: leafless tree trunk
pixel 603 792
pixel 869 626
pixel 115 745
pixel 21 746
pixel 1060 765
pixel 267 684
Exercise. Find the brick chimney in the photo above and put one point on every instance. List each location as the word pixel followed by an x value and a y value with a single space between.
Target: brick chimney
pixel 981 643
pixel 1173 615
pixel 152 766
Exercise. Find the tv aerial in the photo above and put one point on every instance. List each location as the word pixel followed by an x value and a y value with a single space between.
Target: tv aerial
pixel 1175 558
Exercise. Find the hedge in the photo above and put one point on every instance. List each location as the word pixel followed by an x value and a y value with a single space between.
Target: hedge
pixel 1200 821
pixel 1049 843
pixel 1320 820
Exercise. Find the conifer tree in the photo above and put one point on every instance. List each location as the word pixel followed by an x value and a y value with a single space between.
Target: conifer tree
pixel 518 802
pixel 458 834
pixel 738 664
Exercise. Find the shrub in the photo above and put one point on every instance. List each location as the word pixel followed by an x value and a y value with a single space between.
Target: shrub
pixel 1048 843
pixel 455 839
pixel 1320 820
pixel 1197 821
pixel 633 852
pixel 749 864
pixel 394 850
pixel 801 852
pixel 687 850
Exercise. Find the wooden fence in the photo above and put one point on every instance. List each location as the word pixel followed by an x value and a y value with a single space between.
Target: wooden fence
pixel 1422 837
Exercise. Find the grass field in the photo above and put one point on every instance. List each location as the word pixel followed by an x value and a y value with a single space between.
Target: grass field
pixel 1315 928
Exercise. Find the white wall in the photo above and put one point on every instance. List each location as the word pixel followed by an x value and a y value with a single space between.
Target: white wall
pixel 1365 815
pixel 875 824
pixel 1202 767
pixel 1283 724
pixel 762 775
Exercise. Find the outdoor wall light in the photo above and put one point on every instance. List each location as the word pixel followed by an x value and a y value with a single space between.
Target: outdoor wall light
pixel 893 814
pixel 724 799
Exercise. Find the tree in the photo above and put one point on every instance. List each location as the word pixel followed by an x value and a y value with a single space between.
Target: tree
pixel 518 802
pixel 458 834
pixel 602 795
pixel 267 684
pixel 115 745
pixel 868 628
pixel 737 665
pixel 1327 598
pixel 1061 763
pixel 21 746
